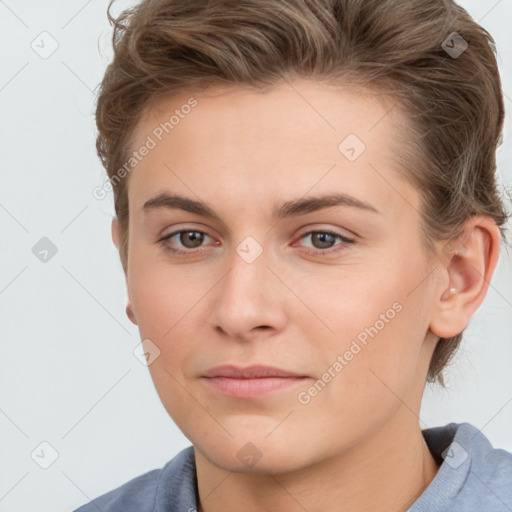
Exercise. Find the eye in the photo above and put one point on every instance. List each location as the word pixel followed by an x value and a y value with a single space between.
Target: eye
pixel 323 242
pixel 191 239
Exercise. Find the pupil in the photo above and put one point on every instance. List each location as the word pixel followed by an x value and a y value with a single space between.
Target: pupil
pixel 321 237
pixel 195 237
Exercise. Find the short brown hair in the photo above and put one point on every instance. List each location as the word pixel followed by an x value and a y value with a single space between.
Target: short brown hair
pixel 454 103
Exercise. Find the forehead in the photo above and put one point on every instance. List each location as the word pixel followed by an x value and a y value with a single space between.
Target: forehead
pixel 286 137
pixel 302 109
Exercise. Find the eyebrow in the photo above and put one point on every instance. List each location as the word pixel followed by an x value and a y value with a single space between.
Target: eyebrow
pixel 291 208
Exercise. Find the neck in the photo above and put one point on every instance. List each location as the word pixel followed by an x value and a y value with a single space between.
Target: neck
pixel 387 471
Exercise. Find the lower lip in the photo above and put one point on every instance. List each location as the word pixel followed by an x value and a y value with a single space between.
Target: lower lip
pixel 248 388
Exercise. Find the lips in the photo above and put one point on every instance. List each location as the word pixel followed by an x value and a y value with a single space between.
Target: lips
pixel 250 372
pixel 252 382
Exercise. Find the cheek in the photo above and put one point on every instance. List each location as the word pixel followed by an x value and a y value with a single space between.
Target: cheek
pixel 169 304
pixel 164 307
pixel 162 295
pixel 371 366
pixel 380 320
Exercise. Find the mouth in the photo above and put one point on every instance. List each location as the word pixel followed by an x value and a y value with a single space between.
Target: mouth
pixel 251 382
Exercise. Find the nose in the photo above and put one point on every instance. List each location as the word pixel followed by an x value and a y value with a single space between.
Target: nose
pixel 249 300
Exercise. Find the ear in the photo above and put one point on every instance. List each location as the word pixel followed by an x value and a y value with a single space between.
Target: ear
pixel 467 271
pixel 114 228
pixel 115 238
pixel 129 312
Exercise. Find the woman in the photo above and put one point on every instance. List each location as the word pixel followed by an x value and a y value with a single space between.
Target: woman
pixel 307 216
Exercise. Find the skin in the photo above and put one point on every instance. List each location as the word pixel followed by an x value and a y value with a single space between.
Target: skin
pixel 358 442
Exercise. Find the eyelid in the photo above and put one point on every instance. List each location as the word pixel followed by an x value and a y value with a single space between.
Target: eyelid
pixel 348 235
pixel 335 248
pixel 180 229
pixel 304 232
pixel 344 240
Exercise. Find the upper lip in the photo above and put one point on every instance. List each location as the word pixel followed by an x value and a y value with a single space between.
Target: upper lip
pixel 249 372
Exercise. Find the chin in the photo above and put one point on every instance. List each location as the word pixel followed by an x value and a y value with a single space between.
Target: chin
pixel 253 459
pixel 255 454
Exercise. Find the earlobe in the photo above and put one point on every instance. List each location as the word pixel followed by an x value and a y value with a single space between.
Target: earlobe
pixel 115 232
pixel 115 238
pixel 129 312
pixel 468 273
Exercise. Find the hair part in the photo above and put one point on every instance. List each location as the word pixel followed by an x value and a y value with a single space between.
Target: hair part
pixel 453 106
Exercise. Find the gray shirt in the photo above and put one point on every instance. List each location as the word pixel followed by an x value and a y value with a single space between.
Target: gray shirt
pixel 473 477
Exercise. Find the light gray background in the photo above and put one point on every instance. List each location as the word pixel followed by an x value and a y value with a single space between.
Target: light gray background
pixel 68 375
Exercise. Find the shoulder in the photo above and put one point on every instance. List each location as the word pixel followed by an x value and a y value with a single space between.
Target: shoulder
pixel 137 494
pixel 490 471
pixel 176 480
pixel 473 475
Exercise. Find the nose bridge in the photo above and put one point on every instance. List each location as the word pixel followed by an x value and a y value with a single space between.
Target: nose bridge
pixel 248 275
pixel 246 297
pixel 248 261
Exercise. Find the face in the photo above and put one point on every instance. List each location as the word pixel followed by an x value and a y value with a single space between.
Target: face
pixel 338 293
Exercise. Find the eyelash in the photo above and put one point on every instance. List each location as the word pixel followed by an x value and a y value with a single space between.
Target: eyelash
pixel 315 252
